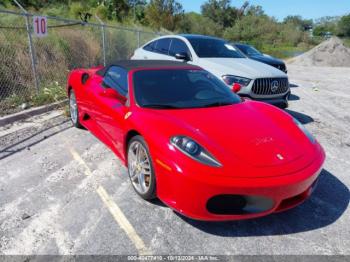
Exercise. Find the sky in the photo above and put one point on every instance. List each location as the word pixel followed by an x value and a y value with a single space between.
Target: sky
pixel 308 9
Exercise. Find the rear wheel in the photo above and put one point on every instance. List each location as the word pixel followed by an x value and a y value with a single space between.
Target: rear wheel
pixel 73 109
pixel 140 168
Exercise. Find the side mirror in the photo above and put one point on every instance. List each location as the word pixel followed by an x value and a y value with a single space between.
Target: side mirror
pixel 84 78
pixel 112 93
pixel 182 56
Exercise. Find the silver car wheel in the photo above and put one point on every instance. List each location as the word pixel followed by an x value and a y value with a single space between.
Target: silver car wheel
pixel 139 167
pixel 73 108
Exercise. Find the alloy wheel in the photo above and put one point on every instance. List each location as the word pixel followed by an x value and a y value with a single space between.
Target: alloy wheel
pixel 139 167
pixel 73 108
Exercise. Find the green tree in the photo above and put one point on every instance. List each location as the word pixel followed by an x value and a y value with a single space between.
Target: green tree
pixel 4 3
pixel 221 12
pixel 326 24
pixel 77 9
pixel 344 26
pixel 299 22
pixel 118 9
pixel 255 10
pixel 137 10
pixel 250 29
pixel 102 12
pixel 164 14
pixel 321 30
pixel 195 23
pixel 38 4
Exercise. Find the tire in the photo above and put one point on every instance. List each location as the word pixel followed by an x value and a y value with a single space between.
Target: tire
pixel 140 168
pixel 73 109
pixel 284 105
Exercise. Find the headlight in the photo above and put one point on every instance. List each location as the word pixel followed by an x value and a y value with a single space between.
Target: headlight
pixel 305 131
pixel 192 149
pixel 230 80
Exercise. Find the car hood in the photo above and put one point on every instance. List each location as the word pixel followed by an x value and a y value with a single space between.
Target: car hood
pixel 239 67
pixel 250 135
pixel 267 59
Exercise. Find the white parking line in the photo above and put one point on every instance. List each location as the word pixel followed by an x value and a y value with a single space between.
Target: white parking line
pixel 78 158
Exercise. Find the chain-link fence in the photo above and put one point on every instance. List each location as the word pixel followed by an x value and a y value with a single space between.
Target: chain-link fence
pixel 33 70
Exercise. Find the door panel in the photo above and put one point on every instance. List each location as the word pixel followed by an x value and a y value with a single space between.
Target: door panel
pixel 91 90
pixel 111 121
pixel 108 111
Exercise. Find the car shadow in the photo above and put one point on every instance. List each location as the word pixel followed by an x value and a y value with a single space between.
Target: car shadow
pixel 29 139
pixel 157 202
pixel 325 206
pixel 303 118
pixel 293 97
pixel 293 85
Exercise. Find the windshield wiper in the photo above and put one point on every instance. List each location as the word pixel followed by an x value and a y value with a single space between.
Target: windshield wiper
pixel 218 104
pixel 160 106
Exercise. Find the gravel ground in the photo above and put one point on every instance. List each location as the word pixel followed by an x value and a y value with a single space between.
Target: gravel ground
pixel 331 52
pixel 51 177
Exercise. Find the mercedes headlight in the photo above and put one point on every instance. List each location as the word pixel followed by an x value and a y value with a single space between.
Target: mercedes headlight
pixel 195 151
pixel 231 80
pixel 305 131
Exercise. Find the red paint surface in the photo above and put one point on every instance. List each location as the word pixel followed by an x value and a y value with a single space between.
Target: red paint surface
pixel 245 138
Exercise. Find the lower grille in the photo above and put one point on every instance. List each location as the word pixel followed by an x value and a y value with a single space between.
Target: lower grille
pixel 270 86
pixel 238 204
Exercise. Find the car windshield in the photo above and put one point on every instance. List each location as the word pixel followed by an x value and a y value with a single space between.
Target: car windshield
pixel 211 47
pixel 180 88
pixel 249 50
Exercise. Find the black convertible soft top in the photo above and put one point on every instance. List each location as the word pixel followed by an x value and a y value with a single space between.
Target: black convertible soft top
pixel 134 64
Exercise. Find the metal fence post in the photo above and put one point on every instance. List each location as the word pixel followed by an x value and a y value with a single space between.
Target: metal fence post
pixel 103 39
pixel 31 47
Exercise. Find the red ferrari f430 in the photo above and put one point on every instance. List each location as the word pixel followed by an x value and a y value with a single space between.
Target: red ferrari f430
pixel 193 143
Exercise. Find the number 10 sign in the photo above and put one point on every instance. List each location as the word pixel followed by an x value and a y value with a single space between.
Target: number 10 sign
pixel 40 26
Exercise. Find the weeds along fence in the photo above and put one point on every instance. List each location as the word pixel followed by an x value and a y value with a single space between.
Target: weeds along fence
pixel 33 70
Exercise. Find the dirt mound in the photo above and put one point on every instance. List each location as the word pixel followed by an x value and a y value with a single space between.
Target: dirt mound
pixel 331 52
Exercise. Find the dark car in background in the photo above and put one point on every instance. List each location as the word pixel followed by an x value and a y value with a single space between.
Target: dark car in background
pixel 254 54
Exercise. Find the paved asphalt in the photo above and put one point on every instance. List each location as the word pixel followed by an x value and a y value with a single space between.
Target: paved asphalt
pixel 63 192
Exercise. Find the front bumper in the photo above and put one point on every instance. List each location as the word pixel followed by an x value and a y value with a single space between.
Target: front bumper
pixel 189 195
pixel 281 102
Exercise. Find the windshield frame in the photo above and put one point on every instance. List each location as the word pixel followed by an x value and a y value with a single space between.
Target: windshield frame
pixel 168 106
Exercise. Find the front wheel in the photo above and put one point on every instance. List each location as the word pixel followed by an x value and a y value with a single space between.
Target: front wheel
pixel 140 168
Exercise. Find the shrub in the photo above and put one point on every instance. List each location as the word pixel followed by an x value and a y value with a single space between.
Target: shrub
pixel 102 12
pixel 344 26
pixel 76 9
pixel 52 92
